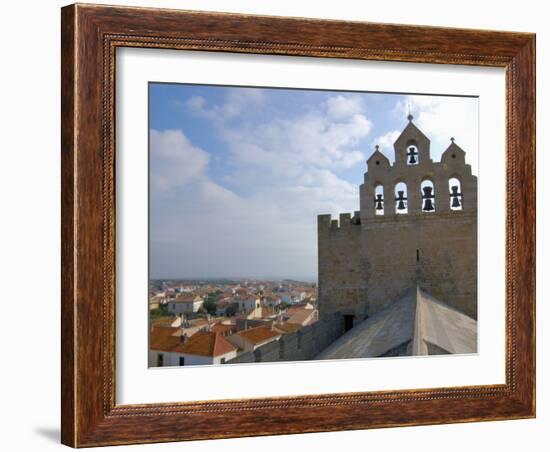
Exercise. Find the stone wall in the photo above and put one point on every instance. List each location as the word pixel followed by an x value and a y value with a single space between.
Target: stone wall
pixel 342 283
pixel 301 345
pixel 439 253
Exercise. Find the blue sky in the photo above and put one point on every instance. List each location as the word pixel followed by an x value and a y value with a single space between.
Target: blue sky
pixel 238 175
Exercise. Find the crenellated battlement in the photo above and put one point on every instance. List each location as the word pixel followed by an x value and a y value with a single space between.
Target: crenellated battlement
pixel 345 221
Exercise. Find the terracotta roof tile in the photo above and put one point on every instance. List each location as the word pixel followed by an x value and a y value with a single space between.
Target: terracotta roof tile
pixel 258 334
pixel 207 343
pixel 203 343
pixel 185 298
pixel 223 329
pixel 301 316
pixel 163 321
pixel 286 328
pixel 164 338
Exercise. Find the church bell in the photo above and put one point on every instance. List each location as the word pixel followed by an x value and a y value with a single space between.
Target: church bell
pixel 455 196
pixel 379 202
pixel 401 200
pixel 428 197
pixel 428 205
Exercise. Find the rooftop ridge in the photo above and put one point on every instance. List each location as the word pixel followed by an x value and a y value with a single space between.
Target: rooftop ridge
pixel 418 346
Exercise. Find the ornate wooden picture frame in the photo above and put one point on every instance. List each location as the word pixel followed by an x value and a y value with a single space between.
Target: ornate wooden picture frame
pixel 90 37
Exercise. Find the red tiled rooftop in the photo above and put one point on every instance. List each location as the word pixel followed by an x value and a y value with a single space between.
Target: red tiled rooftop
pixel 163 338
pixel 203 343
pixel 185 298
pixel 300 316
pixel 221 328
pixel 207 343
pixel 258 334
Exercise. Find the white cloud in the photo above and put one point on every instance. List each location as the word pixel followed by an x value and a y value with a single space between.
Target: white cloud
pixel 174 160
pixel 196 104
pixel 284 148
pixel 238 100
pixel 341 107
pixel 281 173
pixel 209 231
pixel 386 143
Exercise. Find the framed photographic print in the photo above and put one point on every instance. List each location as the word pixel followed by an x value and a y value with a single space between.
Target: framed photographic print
pixel 281 225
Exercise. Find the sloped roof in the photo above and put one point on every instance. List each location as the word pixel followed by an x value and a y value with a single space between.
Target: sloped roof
pixel 301 315
pixel 186 298
pixel 286 328
pixel 222 328
pixel 298 307
pixel 378 154
pixel 267 311
pixel 453 148
pixel 163 321
pixel 411 131
pixel 258 334
pixel 203 343
pixel 164 338
pixel 207 343
pixel 417 324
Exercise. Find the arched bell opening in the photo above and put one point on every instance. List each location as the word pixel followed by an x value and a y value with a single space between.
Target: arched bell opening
pixel 427 192
pixel 401 200
pixel 379 200
pixel 456 199
pixel 413 156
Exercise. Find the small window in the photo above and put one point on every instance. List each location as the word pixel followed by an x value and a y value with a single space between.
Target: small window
pixel 455 194
pixel 412 155
pixel 401 202
pixel 428 196
pixel 379 200
pixel 222 361
pixel 160 360
pixel 182 361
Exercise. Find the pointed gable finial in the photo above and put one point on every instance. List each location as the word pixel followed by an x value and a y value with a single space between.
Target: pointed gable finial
pixel 409 116
pixel 452 139
pixel 376 148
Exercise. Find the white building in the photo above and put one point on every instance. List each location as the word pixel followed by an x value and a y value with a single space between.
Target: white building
pixel 293 297
pixel 247 304
pixel 169 348
pixel 185 304
pixel 271 300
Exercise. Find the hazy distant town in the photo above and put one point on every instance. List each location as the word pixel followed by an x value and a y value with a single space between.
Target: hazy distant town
pixel 194 322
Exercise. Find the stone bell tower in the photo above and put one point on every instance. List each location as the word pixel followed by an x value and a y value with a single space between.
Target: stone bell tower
pixel 417 226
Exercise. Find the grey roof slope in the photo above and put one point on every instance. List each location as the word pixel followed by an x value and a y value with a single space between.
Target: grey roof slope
pixel 416 324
